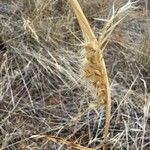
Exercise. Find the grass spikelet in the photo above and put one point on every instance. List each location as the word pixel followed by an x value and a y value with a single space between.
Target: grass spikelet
pixel 94 68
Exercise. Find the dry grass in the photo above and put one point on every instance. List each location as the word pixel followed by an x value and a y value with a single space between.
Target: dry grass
pixel 94 68
pixel 63 141
pixel 41 89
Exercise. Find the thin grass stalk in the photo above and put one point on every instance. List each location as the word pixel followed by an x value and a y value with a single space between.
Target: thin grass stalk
pixel 94 68
pixel 61 141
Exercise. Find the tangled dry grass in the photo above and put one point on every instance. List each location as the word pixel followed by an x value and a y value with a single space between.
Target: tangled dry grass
pixel 41 89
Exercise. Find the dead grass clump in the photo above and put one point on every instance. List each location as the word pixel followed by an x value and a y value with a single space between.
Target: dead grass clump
pixel 95 68
pixel 41 91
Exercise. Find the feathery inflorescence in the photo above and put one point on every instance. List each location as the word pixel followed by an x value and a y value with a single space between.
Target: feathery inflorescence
pixel 94 68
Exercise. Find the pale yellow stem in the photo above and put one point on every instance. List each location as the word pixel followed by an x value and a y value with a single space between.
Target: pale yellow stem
pixel 95 68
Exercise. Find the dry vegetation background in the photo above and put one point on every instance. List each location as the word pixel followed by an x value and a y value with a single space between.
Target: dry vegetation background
pixel 41 89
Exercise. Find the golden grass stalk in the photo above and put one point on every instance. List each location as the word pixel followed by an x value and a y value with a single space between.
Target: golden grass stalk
pixel 62 141
pixel 94 68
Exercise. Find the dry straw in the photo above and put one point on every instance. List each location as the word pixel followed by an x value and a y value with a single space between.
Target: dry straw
pixel 94 68
pixel 62 141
